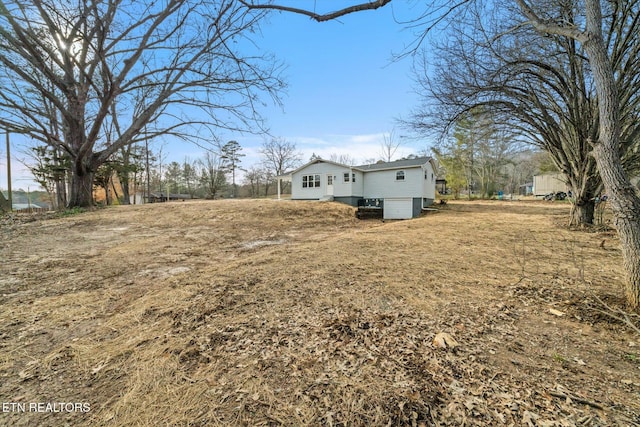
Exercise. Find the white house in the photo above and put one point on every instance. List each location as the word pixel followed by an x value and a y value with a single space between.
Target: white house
pixel 401 188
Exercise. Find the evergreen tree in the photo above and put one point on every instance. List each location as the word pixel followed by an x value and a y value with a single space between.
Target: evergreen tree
pixel 231 155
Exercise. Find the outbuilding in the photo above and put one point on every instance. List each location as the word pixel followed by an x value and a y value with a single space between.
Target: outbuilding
pixel 548 184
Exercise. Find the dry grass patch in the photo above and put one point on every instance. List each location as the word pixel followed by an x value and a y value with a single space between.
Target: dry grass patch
pixel 296 313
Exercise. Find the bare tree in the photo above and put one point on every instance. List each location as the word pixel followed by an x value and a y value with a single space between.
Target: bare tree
pixel 268 178
pixel 84 58
pixel 212 174
pixel 253 178
pixel 521 170
pixel 280 155
pixel 389 145
pixel 344 159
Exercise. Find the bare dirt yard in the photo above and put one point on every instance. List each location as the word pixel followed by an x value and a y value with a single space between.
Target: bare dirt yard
pixel 296 313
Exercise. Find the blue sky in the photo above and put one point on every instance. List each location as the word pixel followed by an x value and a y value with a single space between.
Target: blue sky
pixel 344 89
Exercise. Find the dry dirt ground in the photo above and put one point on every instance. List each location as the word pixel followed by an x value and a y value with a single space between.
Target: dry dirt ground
pixel 296 313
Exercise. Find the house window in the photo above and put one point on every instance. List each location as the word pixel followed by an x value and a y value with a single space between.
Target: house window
pixel 353 177
pixel 346 177
pixel 310 181
pixel 329 179
pixel 400 176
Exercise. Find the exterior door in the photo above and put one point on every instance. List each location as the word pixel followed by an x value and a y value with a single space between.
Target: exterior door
pixel 329 185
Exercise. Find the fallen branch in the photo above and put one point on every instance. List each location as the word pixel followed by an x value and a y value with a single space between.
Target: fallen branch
pixel 617 314
pixel 576 399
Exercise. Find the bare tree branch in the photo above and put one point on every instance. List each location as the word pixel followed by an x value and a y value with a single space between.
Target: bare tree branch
pixel 321 17
pixel 546 26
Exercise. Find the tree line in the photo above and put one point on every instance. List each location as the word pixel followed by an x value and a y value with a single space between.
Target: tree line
pixel 144 174
pixel 479 161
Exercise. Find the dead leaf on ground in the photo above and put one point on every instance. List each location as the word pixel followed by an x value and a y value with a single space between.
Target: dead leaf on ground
pixel 444 340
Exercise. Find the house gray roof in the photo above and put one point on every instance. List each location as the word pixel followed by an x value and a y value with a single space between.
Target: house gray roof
pixel 398 164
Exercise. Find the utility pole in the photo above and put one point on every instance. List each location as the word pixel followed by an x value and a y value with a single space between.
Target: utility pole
pixel 9 173
pixel 146 144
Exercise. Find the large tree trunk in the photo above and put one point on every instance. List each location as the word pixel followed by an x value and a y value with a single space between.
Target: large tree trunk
pixel 61 193
pixel 81 188
pixel 624 202
pixel 626 212
pixel 124 183
pixel 584 194
pixel 582 212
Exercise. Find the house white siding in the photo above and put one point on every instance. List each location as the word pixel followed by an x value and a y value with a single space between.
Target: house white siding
pixel 357 187
pixel 428 182
pixel 323 169
pixel 409 184
pixel 384 184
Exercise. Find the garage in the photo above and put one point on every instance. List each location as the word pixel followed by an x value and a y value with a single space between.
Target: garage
pixel 398 208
